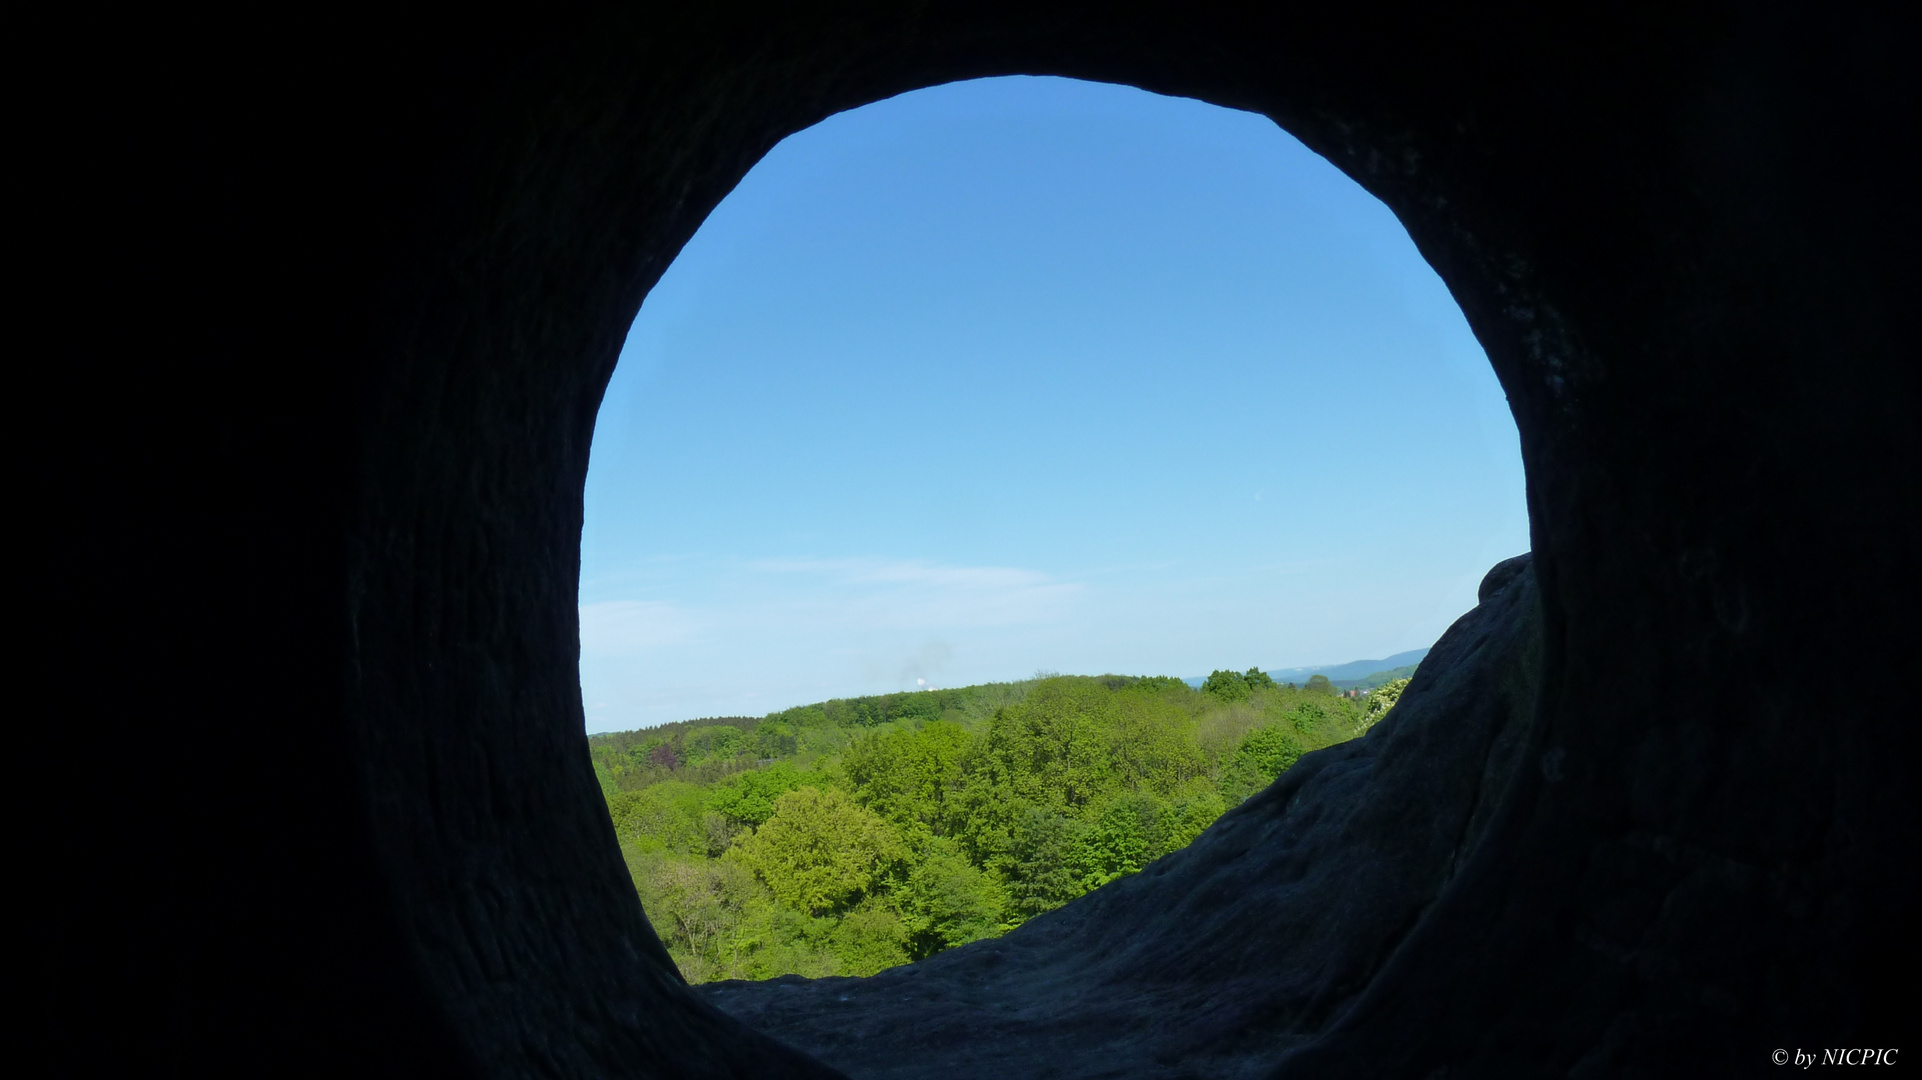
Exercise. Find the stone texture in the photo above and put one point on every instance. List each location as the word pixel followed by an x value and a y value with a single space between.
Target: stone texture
pixel 328 309
pixel 1216 959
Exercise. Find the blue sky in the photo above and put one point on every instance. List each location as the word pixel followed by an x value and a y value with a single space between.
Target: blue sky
pixel 1034 374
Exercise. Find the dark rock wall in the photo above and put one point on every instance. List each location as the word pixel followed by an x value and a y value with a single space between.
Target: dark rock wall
pixel 326 303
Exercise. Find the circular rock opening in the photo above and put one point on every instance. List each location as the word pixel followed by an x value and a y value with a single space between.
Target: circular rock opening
pixel 391 277
pixel 995 377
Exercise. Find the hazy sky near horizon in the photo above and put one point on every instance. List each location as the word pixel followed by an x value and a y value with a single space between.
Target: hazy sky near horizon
pixel 1029 373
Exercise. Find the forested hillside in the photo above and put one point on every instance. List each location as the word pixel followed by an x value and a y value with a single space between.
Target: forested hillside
pixel 853 835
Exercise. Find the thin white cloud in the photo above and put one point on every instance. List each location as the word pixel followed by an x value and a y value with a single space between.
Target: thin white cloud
pixel 905 572
pixel 820 595
pixel 819 599
pixel 628 627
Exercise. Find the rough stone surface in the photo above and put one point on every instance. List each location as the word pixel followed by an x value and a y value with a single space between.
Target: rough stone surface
pixel 1216 959
pixel 327 310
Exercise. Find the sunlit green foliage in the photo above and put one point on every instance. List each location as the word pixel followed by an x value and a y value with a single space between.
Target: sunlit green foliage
pixel 716 742
pixel 1383 699
pixel 670 816
pixel 819 851
pixel 747 799
pixel 948 901
pixel 905 775
pixel 1227 686
pixel 853 835
pixel 869 939
pixel 1264 754
pixel 605 777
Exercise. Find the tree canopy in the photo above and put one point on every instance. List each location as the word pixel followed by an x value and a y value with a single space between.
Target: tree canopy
pixel 819 851
pixel 849 836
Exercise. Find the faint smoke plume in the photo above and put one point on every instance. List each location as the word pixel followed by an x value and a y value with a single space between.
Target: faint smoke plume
pixel 924 667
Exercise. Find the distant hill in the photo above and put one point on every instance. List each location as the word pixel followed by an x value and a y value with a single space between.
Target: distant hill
pixel 1355 674
pixel 1376 678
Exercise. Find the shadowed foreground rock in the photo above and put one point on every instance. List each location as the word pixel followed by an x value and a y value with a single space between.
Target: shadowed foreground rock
pixel 1217 959
pixel 325 313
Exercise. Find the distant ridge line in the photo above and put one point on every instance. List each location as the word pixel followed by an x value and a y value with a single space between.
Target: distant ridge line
pixel 1352 671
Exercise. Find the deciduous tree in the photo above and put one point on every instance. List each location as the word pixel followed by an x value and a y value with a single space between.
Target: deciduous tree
pixel 819 851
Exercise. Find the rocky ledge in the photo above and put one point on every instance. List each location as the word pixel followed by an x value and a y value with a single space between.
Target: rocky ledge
pixel 1215 960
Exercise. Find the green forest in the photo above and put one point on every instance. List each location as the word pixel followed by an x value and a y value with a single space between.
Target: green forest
pixel 849 836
